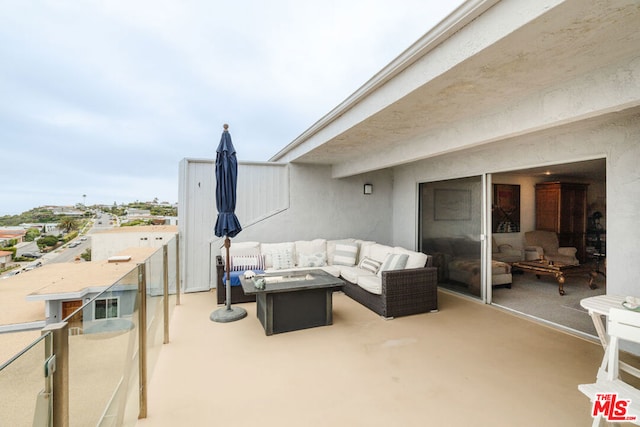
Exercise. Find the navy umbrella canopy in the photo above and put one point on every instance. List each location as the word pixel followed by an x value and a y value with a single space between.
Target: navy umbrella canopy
pixel 227 223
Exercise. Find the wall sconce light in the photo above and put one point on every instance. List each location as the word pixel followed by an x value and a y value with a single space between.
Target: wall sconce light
pixel 368 189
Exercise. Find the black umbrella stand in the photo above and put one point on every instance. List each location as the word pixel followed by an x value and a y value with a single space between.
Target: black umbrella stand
pixel 228 314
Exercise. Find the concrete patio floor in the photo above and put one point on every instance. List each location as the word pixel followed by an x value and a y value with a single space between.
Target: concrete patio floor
pixel 467 365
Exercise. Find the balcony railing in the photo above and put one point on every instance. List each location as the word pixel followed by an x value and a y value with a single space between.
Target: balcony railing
pixel 92 368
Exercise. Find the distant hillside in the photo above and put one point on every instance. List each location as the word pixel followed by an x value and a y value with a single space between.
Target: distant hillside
pixel 45 214
pixel 34 215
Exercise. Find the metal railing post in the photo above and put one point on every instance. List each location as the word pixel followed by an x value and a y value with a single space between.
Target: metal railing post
pixel 60 389
pixel 165 279
pixel 142 343
pixel 177 269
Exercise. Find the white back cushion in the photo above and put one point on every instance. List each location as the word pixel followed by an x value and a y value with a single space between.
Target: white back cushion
pixel 268 249
pixel 378 252
pixel 241 248
pixel 416 259
pixel 310 247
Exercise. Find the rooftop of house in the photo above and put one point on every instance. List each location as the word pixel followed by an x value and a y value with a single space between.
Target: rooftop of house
pixel 140 229
pixel 23 295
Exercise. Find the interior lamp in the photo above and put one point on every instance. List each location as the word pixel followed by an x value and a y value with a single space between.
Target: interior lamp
pixel 368 189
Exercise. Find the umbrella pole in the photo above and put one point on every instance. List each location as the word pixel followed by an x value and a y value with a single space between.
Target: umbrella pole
pixel 227 244
pixel 228 313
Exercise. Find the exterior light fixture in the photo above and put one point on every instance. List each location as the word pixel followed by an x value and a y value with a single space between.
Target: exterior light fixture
pixel 368 188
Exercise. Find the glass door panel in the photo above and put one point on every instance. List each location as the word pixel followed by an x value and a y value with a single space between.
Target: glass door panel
pixel 450 227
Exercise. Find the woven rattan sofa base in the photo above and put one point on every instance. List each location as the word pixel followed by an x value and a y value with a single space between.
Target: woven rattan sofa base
pixel 404 292
pixel 237 294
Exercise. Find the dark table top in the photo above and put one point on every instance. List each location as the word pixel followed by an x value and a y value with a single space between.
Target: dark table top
pixel 291 281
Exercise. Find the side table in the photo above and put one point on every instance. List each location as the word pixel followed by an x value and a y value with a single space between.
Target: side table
pixel 598 307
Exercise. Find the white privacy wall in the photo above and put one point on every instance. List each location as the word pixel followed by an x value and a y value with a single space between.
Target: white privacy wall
pixel 276 203
pixel 196 220
pixel 617 139
pixel 324 207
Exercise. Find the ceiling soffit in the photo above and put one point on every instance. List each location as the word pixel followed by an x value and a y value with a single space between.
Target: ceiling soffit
pixel 569 41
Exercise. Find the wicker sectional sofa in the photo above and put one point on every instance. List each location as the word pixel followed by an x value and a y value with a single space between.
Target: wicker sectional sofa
pixel 391 281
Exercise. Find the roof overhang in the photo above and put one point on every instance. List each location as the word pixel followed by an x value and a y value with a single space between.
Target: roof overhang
pixel 489 72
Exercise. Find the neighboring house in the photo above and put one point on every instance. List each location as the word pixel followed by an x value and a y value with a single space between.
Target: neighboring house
pixel 45 228
pixel 509 92
pixel 134 212
pixel 12 233
pixel 67 211
pixel 5 258
pixel 107 243
pixel 52 292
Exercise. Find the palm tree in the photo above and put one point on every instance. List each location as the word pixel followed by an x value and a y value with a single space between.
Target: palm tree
pixel 67 224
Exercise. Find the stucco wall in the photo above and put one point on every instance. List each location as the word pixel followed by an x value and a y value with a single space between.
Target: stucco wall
pixel 107 244
pixel 616 139
pixel 321 206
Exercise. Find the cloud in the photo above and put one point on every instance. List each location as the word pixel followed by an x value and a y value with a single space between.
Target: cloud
pixel 97 94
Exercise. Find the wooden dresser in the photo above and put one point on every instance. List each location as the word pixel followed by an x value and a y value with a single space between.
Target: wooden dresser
pixel 562 207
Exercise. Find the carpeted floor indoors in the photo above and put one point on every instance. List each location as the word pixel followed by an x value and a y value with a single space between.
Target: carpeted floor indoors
pixel 539 298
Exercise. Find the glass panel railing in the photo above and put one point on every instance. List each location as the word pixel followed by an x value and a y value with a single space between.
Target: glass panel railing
pixel 155 307
pixel 103 346
pixel 23 386
pixel 172 269
pixel 105 366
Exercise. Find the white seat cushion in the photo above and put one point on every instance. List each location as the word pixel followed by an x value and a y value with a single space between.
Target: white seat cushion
pixel 352 273
pixel 332 270
pixel 371 284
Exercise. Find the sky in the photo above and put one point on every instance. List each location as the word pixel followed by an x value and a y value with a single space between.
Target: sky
pixel 104 98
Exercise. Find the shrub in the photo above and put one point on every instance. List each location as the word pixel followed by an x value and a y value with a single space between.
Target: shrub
pixel 86 255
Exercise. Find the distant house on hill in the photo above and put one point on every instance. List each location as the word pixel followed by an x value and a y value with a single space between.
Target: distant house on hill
pixel 107 243
pixel 8 234
pixel 44 227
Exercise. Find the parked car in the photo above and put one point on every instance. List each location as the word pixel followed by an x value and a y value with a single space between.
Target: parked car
pixel 11 273
pixel 31 255
pixel 74 244
pixel 33 266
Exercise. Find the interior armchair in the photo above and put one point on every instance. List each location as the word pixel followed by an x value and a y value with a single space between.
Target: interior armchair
pixel 505 252
pixel 545 245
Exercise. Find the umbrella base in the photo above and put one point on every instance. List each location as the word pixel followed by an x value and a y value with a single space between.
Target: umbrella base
pixel 228 314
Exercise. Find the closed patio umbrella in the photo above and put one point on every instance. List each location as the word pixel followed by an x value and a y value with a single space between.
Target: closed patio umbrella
pixel 227 223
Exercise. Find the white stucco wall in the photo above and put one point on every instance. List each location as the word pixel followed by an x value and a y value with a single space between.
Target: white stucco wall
pixel 323 207
pixel 112 242
pixel 617 139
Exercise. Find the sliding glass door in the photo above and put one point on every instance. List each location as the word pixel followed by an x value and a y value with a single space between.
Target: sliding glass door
pixel 451 229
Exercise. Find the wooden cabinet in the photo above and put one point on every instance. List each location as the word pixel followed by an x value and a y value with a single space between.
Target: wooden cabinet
pixel 562 207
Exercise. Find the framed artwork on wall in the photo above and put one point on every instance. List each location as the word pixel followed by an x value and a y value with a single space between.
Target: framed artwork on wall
pixel 451 205
pixel 506 208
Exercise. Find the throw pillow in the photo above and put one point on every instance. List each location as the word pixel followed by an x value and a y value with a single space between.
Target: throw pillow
pixel 282 259
pixel 393 262
pixel 370 264
pixel 345 254
pixel 247 262
pixel 313 260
